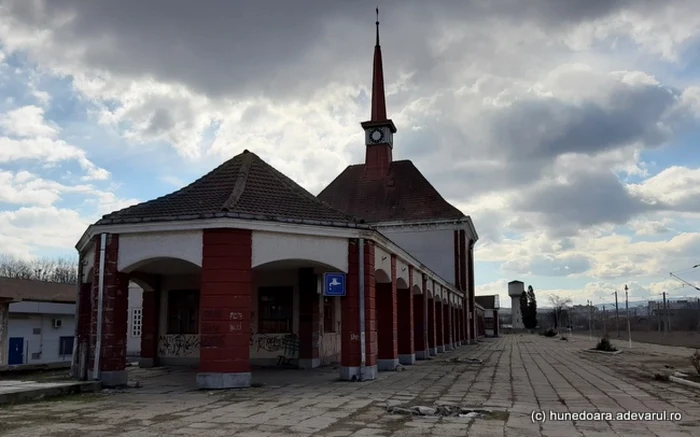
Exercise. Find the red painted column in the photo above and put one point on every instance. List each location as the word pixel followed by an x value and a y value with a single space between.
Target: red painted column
pixel 225 306
pixel 115 306
pixel 387 308
pixel 420 325
pixel 150 313
pixel 446 325
pixel 309 319
pixel 432 334
pixel 454 323
pixel 496 327
pixel 464 274
pixel 405 322
pixel 439 327
pixel 351 351
pixel 470 292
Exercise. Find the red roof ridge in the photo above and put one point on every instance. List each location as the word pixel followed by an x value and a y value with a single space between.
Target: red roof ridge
pixel 239 187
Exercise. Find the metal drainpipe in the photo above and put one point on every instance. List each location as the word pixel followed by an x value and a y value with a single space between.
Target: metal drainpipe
pixel 100 299
pixel 361 245
pixel 74 359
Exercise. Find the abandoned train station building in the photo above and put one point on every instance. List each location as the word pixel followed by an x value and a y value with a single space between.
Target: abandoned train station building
pixel 234 266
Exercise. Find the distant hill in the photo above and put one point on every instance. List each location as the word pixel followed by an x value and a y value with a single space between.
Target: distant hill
pixel 608 305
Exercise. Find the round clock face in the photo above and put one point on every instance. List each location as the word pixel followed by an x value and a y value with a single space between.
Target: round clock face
pixel 376 135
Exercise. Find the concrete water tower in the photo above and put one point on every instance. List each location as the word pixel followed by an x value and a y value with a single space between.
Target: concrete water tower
pixel 515 290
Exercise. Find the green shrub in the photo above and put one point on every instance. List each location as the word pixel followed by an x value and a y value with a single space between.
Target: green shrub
pixel 605 345
pixel 550 333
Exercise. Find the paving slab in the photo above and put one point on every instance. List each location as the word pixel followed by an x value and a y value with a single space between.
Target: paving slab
pixel 533 386
pixel 15 391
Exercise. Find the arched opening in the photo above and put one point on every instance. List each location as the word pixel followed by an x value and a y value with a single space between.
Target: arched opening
pixel 163 325
pixel 405 322
pixel 401 284
pixel 292 322
pixel 381 276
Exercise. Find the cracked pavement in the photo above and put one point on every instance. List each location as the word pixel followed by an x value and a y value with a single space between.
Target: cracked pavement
pixel 520 374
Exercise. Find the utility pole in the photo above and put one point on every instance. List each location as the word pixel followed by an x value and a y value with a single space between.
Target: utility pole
pixel 605 321
pixel 617 317
pixel 665 315
pixel 627 308
pixel 590 326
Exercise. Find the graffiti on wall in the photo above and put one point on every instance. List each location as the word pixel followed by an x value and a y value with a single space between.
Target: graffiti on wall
pixel 287 345
pixel 252 332
pixel 178 345
pixel 330 348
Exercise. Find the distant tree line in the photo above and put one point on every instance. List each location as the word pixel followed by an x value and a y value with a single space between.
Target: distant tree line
pixel 64 270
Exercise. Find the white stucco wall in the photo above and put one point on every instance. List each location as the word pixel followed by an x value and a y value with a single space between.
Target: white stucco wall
pixel 331 341
pixel 89 263
pixel 270 247
pixel 417 280
pixel 135 248
pixel 402 276
pixel 33 323
pixel 133 333
pixel 434 248
pixel 382 261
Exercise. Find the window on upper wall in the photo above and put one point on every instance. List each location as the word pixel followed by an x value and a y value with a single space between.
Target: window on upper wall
pixel 183 312
pixel 328 314
pixel 276 310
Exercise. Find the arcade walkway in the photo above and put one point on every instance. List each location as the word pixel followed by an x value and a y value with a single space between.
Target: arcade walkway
pixel 519 374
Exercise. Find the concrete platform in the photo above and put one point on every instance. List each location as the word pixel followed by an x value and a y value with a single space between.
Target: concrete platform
pixel 22 391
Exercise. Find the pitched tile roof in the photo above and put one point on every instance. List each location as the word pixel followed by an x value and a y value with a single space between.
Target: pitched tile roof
pixel 37 291
pixel 242 187
pixel 404 195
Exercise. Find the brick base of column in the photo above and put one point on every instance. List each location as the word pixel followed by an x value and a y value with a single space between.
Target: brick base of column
pixel 358 374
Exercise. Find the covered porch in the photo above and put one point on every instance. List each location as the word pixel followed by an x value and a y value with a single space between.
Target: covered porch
pixel 225 293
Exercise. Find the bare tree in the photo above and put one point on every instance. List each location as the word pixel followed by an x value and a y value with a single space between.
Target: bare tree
pixel 64 270
pixel 559 304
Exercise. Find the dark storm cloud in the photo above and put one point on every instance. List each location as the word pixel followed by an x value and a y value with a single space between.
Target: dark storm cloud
pixel 589 198
pixel 277 48
pixel 549 128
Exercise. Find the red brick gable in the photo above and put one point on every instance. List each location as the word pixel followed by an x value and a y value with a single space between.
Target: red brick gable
pixel 403 195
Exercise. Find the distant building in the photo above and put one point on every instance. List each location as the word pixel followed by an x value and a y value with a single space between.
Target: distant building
pixel 491 306
pixel 37 322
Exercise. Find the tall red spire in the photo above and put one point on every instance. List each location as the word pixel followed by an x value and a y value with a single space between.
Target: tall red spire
pixel 378 97
pixel 379 130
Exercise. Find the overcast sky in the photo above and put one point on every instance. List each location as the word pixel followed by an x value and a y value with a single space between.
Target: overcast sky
pixel 566 129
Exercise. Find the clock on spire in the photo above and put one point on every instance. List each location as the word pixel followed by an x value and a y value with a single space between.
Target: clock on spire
pixel 379 129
